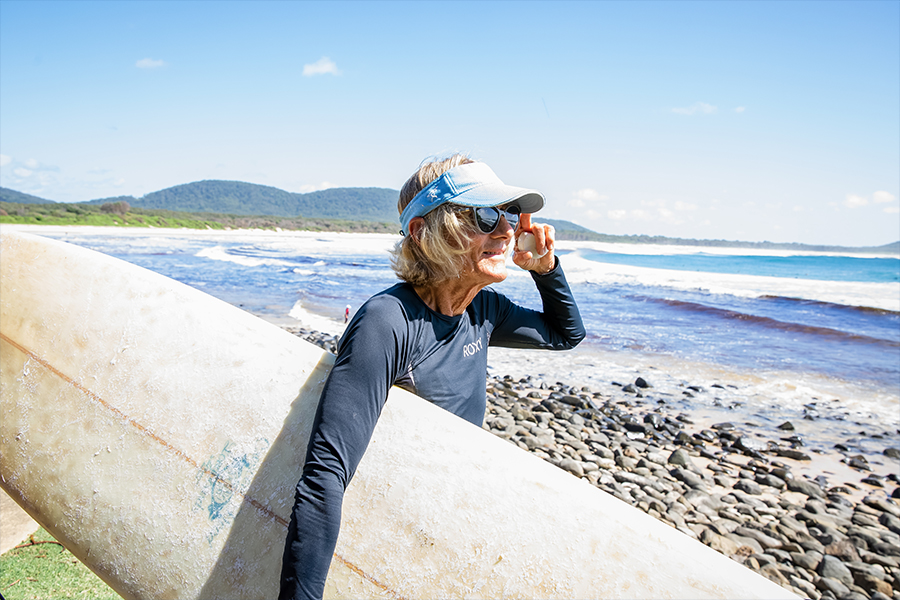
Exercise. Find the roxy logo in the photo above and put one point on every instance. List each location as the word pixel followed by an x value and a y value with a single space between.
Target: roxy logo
pixel 472 349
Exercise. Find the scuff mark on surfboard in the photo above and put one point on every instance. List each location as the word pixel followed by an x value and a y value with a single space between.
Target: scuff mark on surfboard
pixel 221 475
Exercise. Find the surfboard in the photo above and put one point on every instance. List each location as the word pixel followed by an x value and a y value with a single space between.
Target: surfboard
pixel 158 433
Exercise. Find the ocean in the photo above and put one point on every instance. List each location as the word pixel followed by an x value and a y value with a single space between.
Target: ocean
pixel 760 337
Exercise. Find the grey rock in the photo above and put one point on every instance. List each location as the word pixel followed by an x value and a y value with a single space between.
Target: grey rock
pixel 806 588
pixel 720 543
pixel 748 486
pixel 681 458
pixel 724 481
pixel 791 453
pixel 792 523
pixel 772 572
pixel 766 541
pixel 540 441
pixel 864 519
pixel 807 560
pixel 782 473
pixel 877 559
pixel 837 589
pixel 843 549
pixel 890 521
pixel 623 476
pixel 748 444
pixel 746 541
pixel 818 519
pixel 808 542
pixel 882 504
pixel 872 584
pixel 688 477
pixel 770 480
pixel 805 487
pixel 834 568
pixel 572 466
pixel 859 462
pixel 856 567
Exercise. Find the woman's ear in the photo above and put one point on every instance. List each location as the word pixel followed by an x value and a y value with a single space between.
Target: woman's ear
pixel 415 227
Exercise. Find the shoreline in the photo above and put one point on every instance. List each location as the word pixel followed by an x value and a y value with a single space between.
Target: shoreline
pixel 612 247
pixel 805 520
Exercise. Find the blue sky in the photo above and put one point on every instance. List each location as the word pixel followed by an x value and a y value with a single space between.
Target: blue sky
pixel 751 121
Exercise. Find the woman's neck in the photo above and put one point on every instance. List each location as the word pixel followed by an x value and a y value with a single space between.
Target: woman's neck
pixel 450 298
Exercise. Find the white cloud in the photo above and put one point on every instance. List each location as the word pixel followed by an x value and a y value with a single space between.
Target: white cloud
pixel 740 109
pixel 892 210
pixel 616 215
pixel 149 63
pixel 685 206
pixel 22 172
pixel 879 197
pixel 315 187
pixel 589 194
pixel 322 66
pixel 882 197
pixel 5 160
pixel 695 108
pixel 576 203
pixel 854 201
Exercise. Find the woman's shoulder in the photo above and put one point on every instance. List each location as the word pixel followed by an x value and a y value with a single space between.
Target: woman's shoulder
pixel 399 300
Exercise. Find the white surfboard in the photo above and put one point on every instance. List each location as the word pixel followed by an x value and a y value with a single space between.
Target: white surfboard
pixel 159 433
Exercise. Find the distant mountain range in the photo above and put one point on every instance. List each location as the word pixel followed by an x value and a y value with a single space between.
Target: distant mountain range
pixel 372 204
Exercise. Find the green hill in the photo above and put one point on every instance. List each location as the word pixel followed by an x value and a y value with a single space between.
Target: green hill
pixel 8 195
pixel 240 198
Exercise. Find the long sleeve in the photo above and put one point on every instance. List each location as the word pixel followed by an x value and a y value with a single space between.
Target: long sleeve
pixel 351 402
pixel 557 327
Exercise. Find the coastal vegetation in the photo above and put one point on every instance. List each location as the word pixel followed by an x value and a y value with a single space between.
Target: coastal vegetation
pixel 115 214
pixel 41 568
pixel 236 204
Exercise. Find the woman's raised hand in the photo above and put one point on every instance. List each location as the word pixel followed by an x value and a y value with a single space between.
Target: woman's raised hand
pixel 534 245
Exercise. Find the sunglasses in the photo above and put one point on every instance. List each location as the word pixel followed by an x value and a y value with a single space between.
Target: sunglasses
pixel 488 217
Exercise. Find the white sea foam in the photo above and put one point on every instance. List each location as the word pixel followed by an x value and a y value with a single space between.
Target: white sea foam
pixel 667 250
pixel 311 320
pixel 221 253
pixel 884 296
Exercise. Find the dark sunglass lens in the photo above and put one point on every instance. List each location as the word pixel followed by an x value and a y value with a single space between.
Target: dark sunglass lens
pixel 512 216
pixel 487 218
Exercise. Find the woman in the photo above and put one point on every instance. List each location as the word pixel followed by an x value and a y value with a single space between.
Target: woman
pixel 428 334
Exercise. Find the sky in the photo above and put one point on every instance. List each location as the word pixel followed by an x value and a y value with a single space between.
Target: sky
pixel 756 121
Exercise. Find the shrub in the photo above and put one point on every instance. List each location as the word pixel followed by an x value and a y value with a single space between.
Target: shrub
pixel 119 208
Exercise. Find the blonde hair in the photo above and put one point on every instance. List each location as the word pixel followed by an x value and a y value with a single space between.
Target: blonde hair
pixel 439 250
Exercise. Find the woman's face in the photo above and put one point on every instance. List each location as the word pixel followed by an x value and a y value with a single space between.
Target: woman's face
pixel 488 254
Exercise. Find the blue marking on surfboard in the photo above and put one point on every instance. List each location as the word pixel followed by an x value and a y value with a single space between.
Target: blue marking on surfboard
pixel 229 471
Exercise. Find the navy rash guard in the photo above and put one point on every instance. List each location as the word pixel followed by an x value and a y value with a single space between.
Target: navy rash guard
pixel 396 339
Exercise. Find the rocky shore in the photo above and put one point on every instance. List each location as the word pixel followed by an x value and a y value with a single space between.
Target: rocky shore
pixel 722 484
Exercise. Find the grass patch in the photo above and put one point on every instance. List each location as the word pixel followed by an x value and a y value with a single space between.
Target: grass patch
pixel 48 571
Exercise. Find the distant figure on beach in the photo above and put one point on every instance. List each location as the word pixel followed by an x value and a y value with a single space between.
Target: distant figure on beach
pixel 428 334
pixel 346 314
